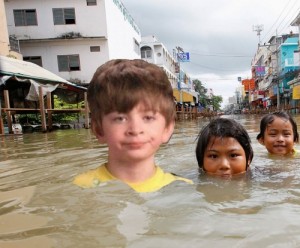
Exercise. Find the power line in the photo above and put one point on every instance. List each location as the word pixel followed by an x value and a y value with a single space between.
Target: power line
pixel 213 69
pixel 288 14
pixel 276 20
pixel 217 79
pixel 288 23
pixel 222 55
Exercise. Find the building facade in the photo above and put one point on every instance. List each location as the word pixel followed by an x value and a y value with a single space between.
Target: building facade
pixel 73 38
pixel 8 45
pixel 273 67
pixel 153 51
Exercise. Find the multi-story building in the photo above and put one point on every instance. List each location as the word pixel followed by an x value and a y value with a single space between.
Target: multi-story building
pixel 72 38
pixel 295 83
pixel 153 51
pixel 8 45
pixel 273 66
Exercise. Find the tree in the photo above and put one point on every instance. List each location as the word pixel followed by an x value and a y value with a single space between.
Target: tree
pixel 201 90
pixel 216 102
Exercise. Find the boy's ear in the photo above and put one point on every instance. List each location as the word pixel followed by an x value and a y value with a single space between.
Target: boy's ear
pixel 261 141
pixel 168 132
pixel 97 130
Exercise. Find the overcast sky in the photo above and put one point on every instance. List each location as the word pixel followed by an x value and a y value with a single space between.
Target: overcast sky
pixel 218 34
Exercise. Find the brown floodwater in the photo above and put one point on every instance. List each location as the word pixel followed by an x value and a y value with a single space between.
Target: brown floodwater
pixel 40 207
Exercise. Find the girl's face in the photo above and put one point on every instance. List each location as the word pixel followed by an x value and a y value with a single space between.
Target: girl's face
pixel 224 157
pixel 279 137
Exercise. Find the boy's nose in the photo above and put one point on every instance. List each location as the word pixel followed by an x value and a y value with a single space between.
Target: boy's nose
pixel 134 128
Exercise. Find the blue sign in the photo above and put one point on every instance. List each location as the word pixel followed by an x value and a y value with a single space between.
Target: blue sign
pixel 183 57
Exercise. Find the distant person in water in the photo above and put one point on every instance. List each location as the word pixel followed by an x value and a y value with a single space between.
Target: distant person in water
pixel 278 133
pixel 133 112
pixel 224 148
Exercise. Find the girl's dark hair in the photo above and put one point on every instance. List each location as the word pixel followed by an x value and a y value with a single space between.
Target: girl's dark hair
pixel 269 118
pixel 224 128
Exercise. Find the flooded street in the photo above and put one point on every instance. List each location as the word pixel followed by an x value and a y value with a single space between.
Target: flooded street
pixel 40 207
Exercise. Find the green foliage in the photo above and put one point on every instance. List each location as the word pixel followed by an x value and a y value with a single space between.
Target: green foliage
pixel 203 98
pixel 56 118
pixel 65 117
pixel 199 87
pixel 216 102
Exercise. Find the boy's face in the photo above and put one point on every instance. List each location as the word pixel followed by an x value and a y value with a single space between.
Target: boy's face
pixel 224 157
pixel 279 137
pixel 134 136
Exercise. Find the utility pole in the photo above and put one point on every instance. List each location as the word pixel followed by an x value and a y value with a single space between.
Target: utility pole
pixel 179 50
pixel 277 72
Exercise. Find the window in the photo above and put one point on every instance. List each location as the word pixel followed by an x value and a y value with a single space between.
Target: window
pixel 95 48
pixel 25 17
pixel 34 59
pixel 91 2
pixel 64 16
pixel 146 52
pixel 68 62
pixel 136 46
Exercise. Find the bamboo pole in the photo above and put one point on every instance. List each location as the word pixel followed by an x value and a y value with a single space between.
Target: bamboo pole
pixel 87 112
pixel 49 106
pixel 42 109
pixel 1 120
pixel 8 114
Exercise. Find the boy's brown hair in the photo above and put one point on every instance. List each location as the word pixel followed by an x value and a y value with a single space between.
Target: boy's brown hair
pixel 120 84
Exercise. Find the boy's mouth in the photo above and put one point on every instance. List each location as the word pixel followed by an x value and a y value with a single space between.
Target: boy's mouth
pixel 134 145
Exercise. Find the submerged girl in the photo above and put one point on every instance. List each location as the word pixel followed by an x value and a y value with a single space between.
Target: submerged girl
pixel 224 148
pixel 278 133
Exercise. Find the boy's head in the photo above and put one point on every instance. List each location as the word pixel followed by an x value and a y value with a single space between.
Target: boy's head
pixel 121 84
pixel 223 128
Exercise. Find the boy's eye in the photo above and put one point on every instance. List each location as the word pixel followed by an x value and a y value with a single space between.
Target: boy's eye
pixel 119 118
pixel 149 117
pixel 234 155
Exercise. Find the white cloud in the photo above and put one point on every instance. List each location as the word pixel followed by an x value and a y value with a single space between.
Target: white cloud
pixel 218 34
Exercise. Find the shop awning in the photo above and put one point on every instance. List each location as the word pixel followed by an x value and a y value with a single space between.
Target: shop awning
pixel 30 73
pixel 296 92
pixel 185 96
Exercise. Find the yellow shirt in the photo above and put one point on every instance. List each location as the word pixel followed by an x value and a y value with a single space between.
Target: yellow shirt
pixel 99 175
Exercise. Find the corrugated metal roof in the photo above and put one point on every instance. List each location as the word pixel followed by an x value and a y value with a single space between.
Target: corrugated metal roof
pixel 23 69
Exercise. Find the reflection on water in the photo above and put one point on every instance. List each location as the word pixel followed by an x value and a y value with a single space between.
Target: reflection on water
pixel 39 207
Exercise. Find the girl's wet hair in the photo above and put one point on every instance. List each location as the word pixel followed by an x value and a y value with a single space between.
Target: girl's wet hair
pixel 269 118
pixel 223 128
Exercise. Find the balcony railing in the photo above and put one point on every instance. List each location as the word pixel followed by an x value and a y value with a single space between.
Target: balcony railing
pixel 14 44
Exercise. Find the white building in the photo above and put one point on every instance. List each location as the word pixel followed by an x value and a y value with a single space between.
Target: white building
pixel 155 52
pixel 72 38
pixel 8 46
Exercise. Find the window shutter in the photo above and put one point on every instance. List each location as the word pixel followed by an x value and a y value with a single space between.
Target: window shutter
pixel 69 16
pixel 74 62
pixel 31 17
pixel 58 16
pixel 63 64
pixel 19 20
